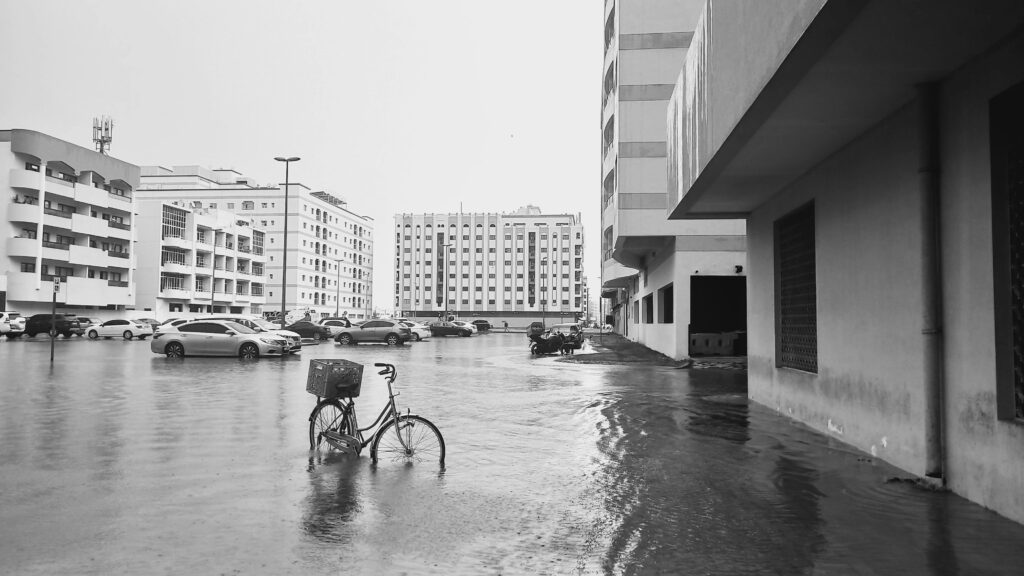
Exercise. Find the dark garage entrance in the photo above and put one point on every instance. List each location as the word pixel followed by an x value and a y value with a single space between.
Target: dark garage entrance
pixel 718 315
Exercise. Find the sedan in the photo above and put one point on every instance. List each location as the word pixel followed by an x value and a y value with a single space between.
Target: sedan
pixel 419 331
pixel 481 325
pixel 126 329
pixel 217 338
pixel 471 327
pixel 307 329
pixel 449 329
pixel 390 332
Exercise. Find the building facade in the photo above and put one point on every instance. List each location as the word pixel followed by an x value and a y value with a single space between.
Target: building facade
pixel 330 248
pixel 665 282
pixel 517 267
pixel 211 261
pixel 69 215
pixel 875 150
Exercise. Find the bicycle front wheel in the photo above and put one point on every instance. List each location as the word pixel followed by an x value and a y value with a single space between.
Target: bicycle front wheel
pixel 421 442
pixel 328 415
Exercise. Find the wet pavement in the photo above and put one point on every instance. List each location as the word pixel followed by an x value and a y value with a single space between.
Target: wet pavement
pixel 120 461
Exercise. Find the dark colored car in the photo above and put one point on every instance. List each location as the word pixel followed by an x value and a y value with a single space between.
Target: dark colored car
pixel 307 329
pixel 390 332
pixel 481 325
pixel 535 328
pixel 448 329
pixel 64 324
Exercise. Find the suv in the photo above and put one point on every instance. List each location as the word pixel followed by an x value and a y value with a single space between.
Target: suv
pixel 15 323
pixel 63 324
pixel 481 325
pixel 376 330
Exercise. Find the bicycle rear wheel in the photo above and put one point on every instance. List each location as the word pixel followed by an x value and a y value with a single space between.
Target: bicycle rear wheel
pixel 423 442
pixel 328 415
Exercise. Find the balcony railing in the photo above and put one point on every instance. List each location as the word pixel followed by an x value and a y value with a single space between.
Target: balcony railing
pixel 245 249
pixel 121 197
pixel 118 225
pixel 51 277
pixel 257 291
pixel 57 245
pixel 117 283
pixel 117 254
pixel 57 213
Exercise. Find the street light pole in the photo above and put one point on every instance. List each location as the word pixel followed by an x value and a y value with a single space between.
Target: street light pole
pixel 444 283
pixel 544 292
pixel 284 251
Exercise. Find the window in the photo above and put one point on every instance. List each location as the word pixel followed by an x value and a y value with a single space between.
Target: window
pixel 665 313
pixel 29 266
pixel 1006 125
pixel 796 318
pixel 649 309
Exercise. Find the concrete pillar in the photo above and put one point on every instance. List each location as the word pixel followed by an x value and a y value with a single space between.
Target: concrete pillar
pixel 39 226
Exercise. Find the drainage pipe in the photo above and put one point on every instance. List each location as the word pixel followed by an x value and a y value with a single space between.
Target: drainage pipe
pixel 931 281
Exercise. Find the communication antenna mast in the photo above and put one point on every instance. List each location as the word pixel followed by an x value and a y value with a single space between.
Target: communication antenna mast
pixel 102 132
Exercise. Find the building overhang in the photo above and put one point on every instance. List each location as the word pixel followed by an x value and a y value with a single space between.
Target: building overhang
pixel 856 63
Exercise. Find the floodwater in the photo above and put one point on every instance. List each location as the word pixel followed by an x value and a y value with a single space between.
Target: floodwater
pixel 116 460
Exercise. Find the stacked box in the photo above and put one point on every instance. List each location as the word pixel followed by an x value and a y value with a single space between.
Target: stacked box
pixel 334 378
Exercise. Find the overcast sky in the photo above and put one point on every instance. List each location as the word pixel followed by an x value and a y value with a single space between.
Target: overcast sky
pixel 396 106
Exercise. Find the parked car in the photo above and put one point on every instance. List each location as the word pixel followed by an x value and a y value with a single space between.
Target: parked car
pixel 171 324
pixel 449 329
pixel 391 332
pixel 153 322
pixel 293 339
pixel 217 338
pixel 308 329
pixel 15 322
pixel 481 325
pixel 126 329
pixel 465 324
pixel 572 331
pixel 535 328
pixel 335 325
pixel 63 324
pixel 86 321
pixel 419 331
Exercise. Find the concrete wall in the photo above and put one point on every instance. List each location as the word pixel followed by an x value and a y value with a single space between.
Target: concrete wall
pixel 869 389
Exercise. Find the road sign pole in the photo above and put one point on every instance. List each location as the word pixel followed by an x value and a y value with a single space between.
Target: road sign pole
pixel 53 315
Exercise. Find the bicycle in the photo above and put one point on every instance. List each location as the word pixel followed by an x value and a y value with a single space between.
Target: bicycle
pixel 333 424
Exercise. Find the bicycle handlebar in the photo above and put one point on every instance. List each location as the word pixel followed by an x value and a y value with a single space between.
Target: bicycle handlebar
pixel 387 368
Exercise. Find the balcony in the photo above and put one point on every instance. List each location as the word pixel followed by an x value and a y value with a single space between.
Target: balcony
pixel 91 195
pixel 176 293
pixel 120 198
pixel 86 256
pixel 117 254
pixel 176 267
pixel 117 283
pixel 56 246
pixel 57 219
pixel 23 247
pixel 85 224
pixel 615 275
pixel 118 230
pixel 24 179
pixel 26 213
pixel 177 241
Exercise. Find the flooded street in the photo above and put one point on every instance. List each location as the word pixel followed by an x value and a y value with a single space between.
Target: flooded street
pixel 117 460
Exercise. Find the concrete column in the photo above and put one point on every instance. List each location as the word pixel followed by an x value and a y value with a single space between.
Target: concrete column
pixel 39 227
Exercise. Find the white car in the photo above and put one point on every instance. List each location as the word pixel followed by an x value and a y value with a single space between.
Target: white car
pixel 335 325
pixel 472 327
pixel 126 329
pixel 419 331
pixel 14 322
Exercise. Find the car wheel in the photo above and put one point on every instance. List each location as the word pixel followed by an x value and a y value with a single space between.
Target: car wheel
pixel 418 338
pixel 344 339
pixel 127 335
pixel 175 350
pixel 249 351
pixel 66 334
pixel 467 333
pixel 318 336
pixel 391 339
pixel 13 335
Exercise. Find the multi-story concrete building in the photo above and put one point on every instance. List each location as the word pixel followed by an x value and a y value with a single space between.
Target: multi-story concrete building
pixel 330 248
pixel 210 261
pixel 517 267
pixel 68 214
pixel 664 280
pixel 875 150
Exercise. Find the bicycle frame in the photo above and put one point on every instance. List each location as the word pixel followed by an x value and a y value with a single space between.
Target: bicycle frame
pixel 390 409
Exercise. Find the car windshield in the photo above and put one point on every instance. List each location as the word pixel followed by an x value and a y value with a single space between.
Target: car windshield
pixel 240 328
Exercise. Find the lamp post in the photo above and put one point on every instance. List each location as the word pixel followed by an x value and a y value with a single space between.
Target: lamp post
pixel 444 283
pixel 213 277
pixel 544 292
pixel 284 250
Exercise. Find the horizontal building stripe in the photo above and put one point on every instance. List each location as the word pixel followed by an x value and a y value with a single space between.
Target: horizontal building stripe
pixel 731 243
pixel 642 150
pixel 655 41
pixel 644 92
pixel 643 201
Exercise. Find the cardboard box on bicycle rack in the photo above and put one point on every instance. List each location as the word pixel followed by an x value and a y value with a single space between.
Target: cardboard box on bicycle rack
pixel 334 378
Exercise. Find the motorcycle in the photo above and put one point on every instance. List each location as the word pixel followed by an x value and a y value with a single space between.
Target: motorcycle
pixel 546 345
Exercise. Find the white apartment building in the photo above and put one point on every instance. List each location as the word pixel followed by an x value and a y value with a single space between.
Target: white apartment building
pixel 68 214
pixel 517 267
pixel 664 281
pixel 211 261
pixel 330 248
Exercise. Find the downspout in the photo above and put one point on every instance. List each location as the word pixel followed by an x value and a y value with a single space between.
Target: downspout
pixel 931 285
